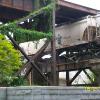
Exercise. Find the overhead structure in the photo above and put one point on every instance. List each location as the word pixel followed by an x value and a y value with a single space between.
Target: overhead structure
pixel 28 33
pixel 78 55
pixel 66 11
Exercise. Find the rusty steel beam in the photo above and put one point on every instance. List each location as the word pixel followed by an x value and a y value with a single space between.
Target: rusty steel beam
pixel 77 7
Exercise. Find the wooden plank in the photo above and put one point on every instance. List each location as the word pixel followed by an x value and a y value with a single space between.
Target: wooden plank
pixel 27 67
pixel 31 62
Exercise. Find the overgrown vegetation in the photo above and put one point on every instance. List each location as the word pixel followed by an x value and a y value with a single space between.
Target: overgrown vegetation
pixel 22 34
pixel 10 60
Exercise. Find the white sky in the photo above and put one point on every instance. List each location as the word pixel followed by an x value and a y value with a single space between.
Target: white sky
pixel 89 3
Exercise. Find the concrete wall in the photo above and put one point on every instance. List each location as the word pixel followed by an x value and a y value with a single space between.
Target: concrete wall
pixel 49 93
pixel 73 33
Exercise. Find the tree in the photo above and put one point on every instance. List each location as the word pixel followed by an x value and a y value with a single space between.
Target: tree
pixel 10 60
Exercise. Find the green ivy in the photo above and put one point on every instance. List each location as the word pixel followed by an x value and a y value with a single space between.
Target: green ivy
pixel 24 35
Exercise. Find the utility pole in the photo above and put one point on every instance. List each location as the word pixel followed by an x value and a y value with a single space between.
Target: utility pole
pixel 53 48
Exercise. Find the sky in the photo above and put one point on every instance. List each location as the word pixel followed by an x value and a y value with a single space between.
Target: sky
pixel 89 3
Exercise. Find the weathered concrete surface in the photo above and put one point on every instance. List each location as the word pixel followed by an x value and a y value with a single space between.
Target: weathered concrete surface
pixel 3 92
pixel 49 93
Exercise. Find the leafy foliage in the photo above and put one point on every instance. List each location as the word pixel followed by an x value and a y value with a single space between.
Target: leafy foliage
pixel 14 81
pixel 22 34
pixel 10 59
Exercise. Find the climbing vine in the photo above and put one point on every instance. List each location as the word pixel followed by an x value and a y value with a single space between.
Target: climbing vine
pixel 23 34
